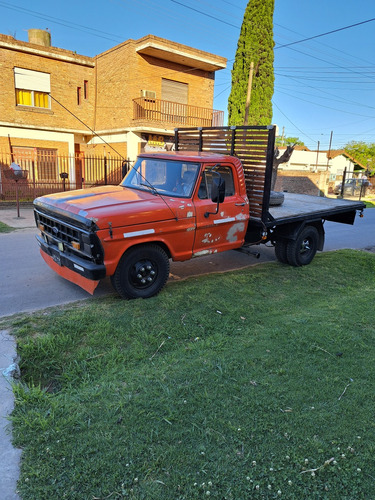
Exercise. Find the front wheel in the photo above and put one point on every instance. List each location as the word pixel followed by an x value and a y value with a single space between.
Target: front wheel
pixel 302 250
pixel 142 272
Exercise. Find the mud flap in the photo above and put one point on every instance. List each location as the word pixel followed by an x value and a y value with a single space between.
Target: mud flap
pixel 87 285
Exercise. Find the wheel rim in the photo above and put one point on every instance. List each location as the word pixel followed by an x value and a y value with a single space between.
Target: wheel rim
pixel 305 246
pixel 143 274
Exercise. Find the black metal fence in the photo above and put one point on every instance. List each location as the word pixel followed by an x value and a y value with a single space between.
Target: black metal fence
pixel 353 187
pixel 49 173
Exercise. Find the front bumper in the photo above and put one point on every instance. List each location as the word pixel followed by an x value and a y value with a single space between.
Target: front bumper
pixel 83 267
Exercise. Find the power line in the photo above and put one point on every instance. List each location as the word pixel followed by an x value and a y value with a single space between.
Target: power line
pixel 294 125
pixel 205 14
pixel 323 106
pixel 62 22
pixel 326 33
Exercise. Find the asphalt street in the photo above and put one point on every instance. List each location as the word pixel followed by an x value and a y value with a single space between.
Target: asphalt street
pixel 28 284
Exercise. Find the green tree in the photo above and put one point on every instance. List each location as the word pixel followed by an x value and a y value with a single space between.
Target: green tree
pixel 288 141
pixel 255 44
pixel 362 152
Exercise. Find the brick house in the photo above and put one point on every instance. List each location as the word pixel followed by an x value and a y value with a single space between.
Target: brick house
pixel 58 104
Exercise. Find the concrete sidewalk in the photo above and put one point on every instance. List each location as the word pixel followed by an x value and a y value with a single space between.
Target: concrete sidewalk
pixel 25 220
pixel 9 456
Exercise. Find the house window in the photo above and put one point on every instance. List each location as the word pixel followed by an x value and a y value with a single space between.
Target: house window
pixel 79 96
pixel 32 88
pixel 85 89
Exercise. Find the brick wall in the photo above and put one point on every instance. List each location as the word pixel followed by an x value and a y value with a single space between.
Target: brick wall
pixel 66 76
pixel 295 181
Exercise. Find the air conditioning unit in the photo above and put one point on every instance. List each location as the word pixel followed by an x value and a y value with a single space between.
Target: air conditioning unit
pixel 150 94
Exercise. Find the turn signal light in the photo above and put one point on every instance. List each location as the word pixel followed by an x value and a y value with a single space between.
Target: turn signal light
pixel 76 245
pixel 41 227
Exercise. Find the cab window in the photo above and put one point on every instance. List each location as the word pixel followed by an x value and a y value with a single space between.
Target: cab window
pixel 204 191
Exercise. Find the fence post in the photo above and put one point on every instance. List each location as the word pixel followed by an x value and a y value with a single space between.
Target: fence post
pixel 343 183
pixel 105 171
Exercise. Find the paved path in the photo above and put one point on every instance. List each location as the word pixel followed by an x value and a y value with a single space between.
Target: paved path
pixel 27 284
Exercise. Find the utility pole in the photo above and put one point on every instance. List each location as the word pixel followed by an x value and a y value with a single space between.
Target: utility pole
pixel 248 97
pixel 317 156
pixel 329 149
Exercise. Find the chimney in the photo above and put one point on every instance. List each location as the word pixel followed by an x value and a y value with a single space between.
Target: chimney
pixel 40 37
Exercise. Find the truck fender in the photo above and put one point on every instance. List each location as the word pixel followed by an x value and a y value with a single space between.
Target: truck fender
pixel 291 231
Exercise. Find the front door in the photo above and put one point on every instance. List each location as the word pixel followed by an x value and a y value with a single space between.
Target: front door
pixel 226 229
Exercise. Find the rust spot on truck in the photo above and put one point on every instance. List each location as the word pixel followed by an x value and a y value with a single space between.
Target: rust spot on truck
pixel 232 233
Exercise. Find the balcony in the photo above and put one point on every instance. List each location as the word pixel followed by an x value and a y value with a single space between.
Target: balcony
pixel 172 114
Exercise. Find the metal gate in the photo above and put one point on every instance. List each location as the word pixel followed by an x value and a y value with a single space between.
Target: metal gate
pixel 48 172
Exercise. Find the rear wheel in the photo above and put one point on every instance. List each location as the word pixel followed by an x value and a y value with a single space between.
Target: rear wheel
pixel 280 251
pixel 301 251
pixel 142 272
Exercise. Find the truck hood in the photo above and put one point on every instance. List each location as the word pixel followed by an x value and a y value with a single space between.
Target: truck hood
pixel 117 205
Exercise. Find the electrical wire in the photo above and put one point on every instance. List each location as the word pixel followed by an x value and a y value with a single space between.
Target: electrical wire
pixel 294 125
pixel 325 34
pixel 62 22
pixel 205 14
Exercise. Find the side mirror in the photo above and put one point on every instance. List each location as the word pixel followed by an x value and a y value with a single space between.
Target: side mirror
pixel 218 190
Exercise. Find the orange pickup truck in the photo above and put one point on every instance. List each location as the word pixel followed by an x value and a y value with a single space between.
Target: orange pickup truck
pixel 197 200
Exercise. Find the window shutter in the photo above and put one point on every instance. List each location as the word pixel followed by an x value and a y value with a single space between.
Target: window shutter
pixel 174 91
pixel 27 79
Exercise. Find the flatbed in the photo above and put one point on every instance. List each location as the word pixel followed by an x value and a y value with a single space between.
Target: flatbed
pixel 297 207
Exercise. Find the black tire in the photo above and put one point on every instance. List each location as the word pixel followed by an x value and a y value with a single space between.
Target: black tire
pixel 281 251
pixel 276 198
pixel 142 272
pixel 302 251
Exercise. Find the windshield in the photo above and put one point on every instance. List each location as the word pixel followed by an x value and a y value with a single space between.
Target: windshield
pixel 166 177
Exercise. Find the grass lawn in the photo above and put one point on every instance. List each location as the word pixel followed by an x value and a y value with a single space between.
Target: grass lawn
pixel 4 228
pixel 251 384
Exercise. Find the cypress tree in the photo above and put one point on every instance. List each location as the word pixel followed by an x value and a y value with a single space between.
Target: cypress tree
pixel 255 44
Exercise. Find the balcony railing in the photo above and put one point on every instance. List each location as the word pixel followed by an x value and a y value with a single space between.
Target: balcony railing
pixel 174 113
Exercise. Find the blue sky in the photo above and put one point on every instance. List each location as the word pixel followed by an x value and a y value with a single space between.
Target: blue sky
pixel 321 86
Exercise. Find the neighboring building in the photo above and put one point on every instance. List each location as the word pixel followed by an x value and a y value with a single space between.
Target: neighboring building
pixel 56 103
pixel 315 172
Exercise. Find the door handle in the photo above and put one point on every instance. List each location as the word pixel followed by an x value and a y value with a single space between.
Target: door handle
pixel 239 204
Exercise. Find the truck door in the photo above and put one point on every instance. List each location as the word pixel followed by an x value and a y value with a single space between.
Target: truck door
pixel 226 229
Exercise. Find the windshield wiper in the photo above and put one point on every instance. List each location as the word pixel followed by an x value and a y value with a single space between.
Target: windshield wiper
pixel 151 188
